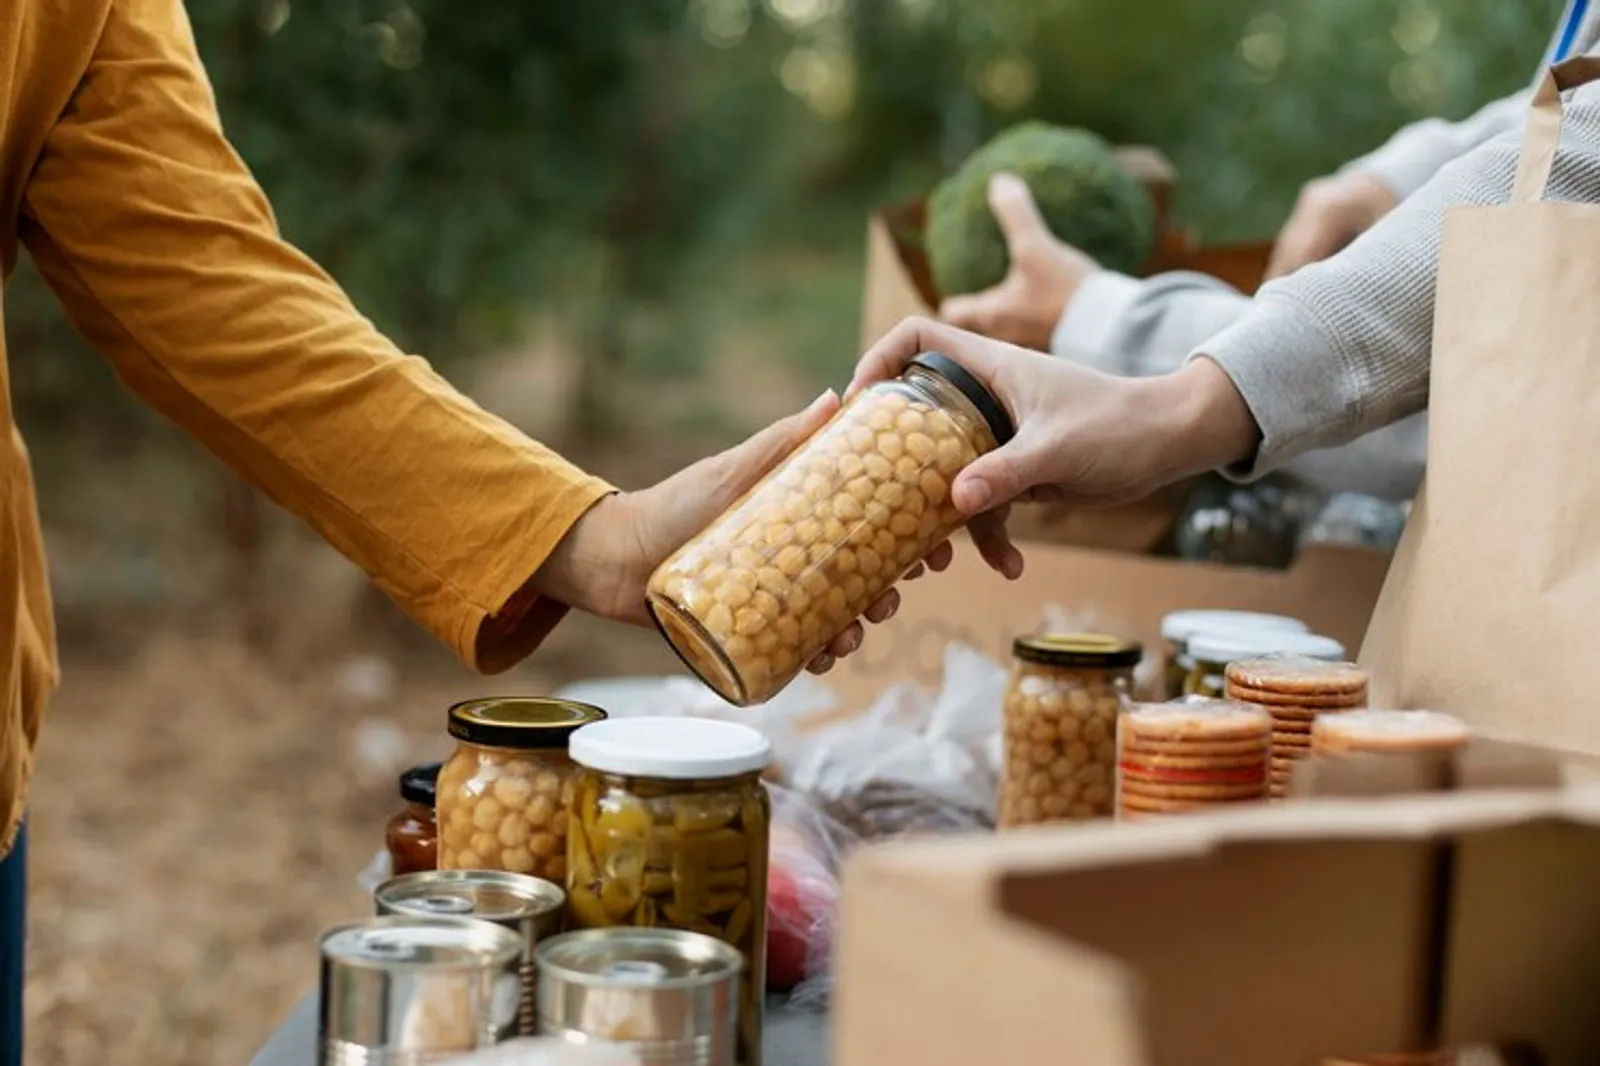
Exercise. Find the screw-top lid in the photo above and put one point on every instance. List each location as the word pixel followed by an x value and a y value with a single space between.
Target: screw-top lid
pixel 991 409
pixel 1088 650
pixel 420 784
pixel 1179 626
pixel 679 749
pixel 522 722
pixel 1235 645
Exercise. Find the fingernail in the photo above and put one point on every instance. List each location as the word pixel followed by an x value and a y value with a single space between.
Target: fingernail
pixel 1006 183
pixel 1013 565
pixel 976 495
pixel 823 401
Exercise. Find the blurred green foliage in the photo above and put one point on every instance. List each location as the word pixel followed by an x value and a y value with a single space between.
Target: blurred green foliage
pixel 623 166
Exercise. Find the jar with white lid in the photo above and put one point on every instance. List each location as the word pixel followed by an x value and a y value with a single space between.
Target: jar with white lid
pixel 1210 652
pixel 1179 627
pixel 670 829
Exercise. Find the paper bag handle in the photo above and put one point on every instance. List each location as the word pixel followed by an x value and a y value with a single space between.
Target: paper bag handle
pixel 1543 131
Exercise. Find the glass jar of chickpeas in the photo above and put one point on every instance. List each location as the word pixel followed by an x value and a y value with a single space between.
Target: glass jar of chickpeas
pixel 670 829
pixel 758 594
pixel 1060 726
pixel 504 794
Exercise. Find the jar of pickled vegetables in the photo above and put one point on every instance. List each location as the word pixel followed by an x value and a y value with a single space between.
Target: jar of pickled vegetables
pixel 758 594
pixel 1211 651
pixel 1179 627
pixel 1060 726
pixel 670 829
pixel 412 836
pixel 505 791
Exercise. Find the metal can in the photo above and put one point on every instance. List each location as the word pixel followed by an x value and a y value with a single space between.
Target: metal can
pixel 528 906
pixel 408 991
pixel 670 996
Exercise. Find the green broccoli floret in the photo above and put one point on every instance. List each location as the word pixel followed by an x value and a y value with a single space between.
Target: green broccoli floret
pixel 1086 198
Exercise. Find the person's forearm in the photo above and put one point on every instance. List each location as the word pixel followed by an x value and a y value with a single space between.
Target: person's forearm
pixel 1342 347
pixel 1137 327
pixel 1410 158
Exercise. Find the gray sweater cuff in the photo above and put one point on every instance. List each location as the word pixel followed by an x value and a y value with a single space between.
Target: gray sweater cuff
pixel 1290 371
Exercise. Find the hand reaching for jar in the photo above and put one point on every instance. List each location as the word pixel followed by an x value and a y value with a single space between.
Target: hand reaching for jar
pixel 1045 274
pixel 604 563
pixel 1082 437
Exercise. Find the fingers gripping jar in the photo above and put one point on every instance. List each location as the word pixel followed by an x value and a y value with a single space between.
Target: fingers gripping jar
pixel 504 794
pixel 670 830
pixel 1061 726
pixel 762 591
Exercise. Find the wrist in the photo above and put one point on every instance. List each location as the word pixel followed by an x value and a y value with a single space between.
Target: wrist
pixel 1205 423
pixel 587 569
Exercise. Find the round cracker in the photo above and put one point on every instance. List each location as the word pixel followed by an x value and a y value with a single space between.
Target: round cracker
pixel 1198 749
pixel 1199 720
pixel 1390 731
pixel 1206 793
pixel 1143 774
pixel 1162 762
pixel 1296 674
pixel 1151 805
pixel 1273 700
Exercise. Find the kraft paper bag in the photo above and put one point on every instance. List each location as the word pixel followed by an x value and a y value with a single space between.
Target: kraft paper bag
pixel 1492 603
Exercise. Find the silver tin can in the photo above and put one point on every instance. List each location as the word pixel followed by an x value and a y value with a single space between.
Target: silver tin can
pixel 405 991
pixel 528 906
pixel 670 996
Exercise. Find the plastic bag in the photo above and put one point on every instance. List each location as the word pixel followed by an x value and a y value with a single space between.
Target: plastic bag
pixel 376 872
pixel 802 896
pixel 549 1051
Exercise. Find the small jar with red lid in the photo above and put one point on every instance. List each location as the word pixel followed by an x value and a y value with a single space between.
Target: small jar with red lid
pixel 412 836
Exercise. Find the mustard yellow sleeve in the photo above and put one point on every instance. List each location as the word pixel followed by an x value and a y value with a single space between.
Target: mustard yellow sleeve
pixel 167 257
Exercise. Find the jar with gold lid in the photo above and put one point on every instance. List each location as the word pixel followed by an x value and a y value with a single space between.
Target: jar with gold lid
pixel 504 794
pixel 1060 726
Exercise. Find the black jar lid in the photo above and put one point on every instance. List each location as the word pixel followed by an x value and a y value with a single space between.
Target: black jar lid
pixel 993 412
pixel 526 723
pixel 1085 650
pixel 420 784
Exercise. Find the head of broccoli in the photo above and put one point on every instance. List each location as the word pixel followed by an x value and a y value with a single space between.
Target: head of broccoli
pixel 1085 197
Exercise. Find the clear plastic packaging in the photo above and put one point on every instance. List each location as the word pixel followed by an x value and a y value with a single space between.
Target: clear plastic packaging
pixel 671 827
pixel 1211 650
pixel 1294 690
pixel 762 591
pixel 1061 726
pixel 1179 627
pixel 1195 754
pixel 505 792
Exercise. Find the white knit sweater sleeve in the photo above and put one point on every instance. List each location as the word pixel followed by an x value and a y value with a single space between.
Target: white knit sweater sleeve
pixel 1341 347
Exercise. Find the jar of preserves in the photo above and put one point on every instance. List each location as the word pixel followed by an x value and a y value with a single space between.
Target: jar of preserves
pixel 505 792
pixel 759 593
pixel 1210 652
pixel 670 830
pixel 1061 726
pixel 1179 627
pixel 412 836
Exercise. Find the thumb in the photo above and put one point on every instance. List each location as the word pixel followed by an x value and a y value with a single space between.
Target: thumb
pixel 997 478
pixel 1016 212
pixel 744 464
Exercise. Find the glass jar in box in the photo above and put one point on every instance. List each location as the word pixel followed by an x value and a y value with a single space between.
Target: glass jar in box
pixel 1179 627
pixel 1060 726
pixel 759 593
pixel 1210 652
pixel 670 830
pixel 504 794
pixel 412 835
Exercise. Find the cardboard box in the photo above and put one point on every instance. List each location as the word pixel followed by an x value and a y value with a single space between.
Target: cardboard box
pixel 1331 588
pixel 1271 936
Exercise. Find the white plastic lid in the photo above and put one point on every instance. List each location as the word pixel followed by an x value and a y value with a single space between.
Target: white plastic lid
pixel 1233 645
pixel 672 748
pixel 1179 626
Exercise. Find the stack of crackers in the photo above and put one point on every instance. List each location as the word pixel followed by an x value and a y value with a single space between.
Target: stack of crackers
pixel 1177 757
pixel 1388 731
pixel 1294 690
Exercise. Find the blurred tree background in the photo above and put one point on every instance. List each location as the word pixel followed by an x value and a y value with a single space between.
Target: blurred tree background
pixel 666 197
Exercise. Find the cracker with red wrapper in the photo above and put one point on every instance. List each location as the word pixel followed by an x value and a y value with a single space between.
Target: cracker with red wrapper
pixel 1294 691
pixel 1177 757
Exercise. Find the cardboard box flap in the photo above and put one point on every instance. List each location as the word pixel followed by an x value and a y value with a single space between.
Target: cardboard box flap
pixel 1268 936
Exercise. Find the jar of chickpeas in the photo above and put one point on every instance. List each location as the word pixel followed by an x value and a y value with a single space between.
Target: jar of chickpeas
pixel 504 794
pixel 1060 725
pixel 758 594
pixel 670 830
